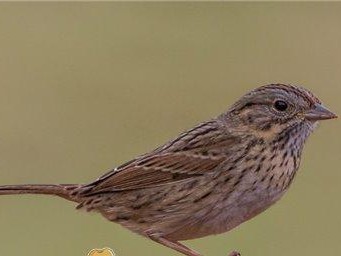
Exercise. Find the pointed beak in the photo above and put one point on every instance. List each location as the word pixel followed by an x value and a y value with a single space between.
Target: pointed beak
pixel 319 112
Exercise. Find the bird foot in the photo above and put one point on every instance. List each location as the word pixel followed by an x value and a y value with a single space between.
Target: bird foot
pixel 234 253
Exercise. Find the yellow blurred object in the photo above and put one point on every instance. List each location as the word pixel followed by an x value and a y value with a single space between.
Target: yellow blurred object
pixel 101 252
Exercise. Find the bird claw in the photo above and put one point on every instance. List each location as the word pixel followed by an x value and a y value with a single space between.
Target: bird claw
pixel 234 253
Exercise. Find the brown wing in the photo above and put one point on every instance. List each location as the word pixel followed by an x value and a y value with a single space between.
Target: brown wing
pixel 193 153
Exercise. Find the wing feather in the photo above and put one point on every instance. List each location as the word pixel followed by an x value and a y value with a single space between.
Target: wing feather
pixel 196 152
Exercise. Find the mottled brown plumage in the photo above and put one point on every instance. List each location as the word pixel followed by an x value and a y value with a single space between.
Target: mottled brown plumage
pixel 211 178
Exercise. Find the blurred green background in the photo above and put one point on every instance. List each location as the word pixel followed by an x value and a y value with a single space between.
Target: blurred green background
pixel 85 87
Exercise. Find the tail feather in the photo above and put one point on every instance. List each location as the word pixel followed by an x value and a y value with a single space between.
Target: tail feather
pixel 62 190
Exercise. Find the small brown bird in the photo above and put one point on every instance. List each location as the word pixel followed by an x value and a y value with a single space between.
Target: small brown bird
pixel 211 178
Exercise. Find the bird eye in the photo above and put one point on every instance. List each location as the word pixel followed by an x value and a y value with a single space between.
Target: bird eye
pixel 280 105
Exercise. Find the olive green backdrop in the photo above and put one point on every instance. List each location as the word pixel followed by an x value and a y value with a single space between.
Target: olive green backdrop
pixel 87 86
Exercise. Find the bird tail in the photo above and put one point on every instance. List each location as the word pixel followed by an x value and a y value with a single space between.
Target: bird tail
pixel 66 191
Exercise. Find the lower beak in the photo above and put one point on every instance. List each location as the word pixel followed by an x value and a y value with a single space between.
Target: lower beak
pixel 319 112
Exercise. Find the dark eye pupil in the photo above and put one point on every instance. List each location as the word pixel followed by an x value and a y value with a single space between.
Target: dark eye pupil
pixel 281 105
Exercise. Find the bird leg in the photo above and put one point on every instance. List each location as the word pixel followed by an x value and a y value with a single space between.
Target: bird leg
pixel 234 253
pixel 180 247
pixel 175 245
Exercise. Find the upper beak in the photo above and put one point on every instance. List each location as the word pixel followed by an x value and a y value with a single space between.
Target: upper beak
pixel 319 112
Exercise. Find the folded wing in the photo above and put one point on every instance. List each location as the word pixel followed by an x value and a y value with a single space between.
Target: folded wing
pixel 196 152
